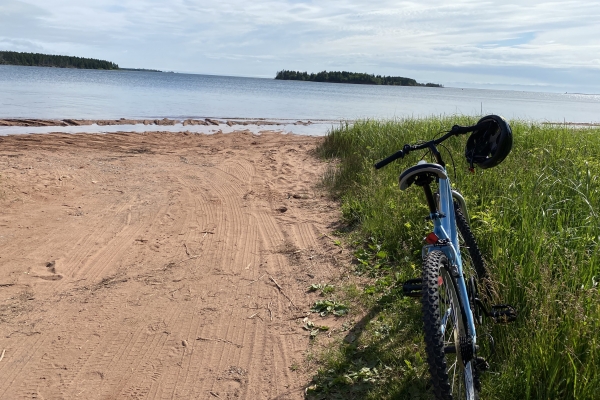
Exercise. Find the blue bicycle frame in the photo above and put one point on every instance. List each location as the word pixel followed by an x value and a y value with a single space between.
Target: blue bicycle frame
pixel 450 302
pixel 444 227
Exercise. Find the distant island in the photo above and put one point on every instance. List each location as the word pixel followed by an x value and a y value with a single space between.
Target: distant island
pixel 47 60
pixel 350 77
pixel 140 70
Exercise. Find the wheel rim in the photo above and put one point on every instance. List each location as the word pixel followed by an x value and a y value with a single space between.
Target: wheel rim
pixel 460 376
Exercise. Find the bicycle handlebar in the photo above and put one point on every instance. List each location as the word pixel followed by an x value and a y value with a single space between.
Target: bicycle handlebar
pixel 456 130
pixel 386 161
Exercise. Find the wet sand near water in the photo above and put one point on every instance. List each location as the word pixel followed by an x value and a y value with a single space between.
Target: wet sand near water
pixel 32 122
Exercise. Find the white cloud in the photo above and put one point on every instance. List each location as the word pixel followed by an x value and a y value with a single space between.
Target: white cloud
pixel 432 38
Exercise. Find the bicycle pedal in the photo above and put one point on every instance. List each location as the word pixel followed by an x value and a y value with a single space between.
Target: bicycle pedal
pixel 413 287
pixel 481 364
pixel 503 313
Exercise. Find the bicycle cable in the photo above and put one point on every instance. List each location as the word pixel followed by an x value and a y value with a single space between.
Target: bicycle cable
pixel 428 151
pixel 438 134
pixel 452 158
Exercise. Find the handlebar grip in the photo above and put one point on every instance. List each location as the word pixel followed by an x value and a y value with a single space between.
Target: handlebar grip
pixel 457 129
pixel 386 161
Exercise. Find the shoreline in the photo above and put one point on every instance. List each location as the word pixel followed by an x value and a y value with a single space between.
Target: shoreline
pixel 311 127
pixel 200 121
pixel 18 126
pixel 582 124
pixel 206 121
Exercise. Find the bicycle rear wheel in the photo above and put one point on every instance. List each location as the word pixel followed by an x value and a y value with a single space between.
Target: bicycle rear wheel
pixel 444 324
pixel 468 241
pixel 475 271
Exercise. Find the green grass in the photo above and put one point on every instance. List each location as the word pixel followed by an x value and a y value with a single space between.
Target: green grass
pixel 535 217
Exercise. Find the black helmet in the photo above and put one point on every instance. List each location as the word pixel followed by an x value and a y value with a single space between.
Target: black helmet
pixel 490 143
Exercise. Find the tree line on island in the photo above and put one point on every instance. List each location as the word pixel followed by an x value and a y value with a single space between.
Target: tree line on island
pixel 47 60
pixel 350 77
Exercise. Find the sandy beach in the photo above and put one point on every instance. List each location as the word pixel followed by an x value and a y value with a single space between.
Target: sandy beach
pixel 160 265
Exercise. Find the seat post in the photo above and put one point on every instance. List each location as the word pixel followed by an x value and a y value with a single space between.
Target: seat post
pixel 425 181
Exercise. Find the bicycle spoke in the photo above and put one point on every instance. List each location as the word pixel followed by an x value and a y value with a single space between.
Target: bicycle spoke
pixel 453 368
pixel 445 320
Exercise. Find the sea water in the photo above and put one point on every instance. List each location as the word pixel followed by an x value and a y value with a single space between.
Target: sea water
pixel 57 93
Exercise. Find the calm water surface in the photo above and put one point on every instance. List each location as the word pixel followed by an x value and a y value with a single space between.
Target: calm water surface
pixel 35 92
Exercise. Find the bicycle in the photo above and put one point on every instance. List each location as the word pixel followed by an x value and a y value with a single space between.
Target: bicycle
pixel 451 303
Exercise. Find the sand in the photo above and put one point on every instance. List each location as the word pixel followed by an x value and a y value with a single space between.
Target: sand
pixel 148 265
pixel 32 122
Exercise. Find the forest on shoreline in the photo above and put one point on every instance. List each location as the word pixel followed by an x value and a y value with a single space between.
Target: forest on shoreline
pixel 48 60
pixel 350 77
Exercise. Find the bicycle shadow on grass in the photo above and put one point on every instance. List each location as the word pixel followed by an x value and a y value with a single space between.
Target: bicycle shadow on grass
pixel 380 357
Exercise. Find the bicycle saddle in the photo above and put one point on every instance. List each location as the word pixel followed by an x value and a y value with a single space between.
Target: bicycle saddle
pixel 422 169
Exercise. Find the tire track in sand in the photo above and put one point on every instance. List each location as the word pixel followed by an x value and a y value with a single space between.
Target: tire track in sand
pixel 168 292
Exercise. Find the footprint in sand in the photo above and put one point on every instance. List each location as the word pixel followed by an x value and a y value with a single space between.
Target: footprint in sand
pixel 50 267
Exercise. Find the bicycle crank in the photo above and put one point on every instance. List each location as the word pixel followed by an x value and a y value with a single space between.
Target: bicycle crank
pixel 500 313
pixel 503 313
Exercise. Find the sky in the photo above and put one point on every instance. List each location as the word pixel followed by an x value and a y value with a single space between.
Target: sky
pixel 517 45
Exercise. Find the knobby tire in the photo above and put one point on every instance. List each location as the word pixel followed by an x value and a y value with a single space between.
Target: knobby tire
pixel 444 324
